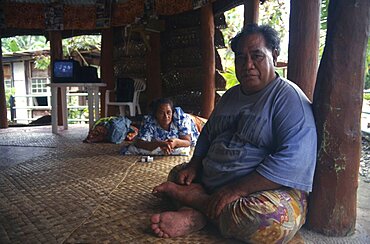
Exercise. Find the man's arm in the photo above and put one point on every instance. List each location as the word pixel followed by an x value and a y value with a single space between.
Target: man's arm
pixel 242 187
pixel 194 167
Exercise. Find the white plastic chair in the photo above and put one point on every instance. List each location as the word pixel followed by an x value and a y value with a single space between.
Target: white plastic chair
pixel 139 86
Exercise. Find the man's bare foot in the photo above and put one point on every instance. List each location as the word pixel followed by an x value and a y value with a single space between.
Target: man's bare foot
pixel 192 195
pixel 180 223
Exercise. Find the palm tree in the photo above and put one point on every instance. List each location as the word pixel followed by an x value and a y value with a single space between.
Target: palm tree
pixel 31 43
pixel 23 43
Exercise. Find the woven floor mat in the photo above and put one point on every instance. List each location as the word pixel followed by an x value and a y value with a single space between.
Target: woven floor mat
pixel 45 203
pixel 41 137
pixel 95 199
pixel 26 138
pixel 124 217
pixel 29 140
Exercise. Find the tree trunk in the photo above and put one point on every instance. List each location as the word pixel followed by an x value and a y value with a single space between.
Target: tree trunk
pixel 106 64
pixel 208 58
pixel 337 108
pixel 56 52
pixel 251 11
pixel 304 37
pixel 3 111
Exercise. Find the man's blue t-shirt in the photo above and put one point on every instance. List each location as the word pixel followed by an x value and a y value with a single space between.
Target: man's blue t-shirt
pixel 272 132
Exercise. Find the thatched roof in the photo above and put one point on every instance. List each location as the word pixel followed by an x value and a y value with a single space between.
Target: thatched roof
pixel 20 17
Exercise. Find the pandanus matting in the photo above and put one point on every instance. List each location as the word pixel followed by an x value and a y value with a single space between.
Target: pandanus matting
pixel 83 193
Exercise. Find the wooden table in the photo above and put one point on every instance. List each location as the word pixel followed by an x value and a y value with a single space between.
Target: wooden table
pixel 92 98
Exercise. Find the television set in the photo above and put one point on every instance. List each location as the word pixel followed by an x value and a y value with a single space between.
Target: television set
pixel 65 71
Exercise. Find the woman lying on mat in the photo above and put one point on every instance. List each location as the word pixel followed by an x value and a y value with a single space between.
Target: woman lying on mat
pixel 167 131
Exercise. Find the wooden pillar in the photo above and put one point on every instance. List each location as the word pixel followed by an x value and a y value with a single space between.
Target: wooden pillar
pixel 106 67
pixel 208 60
pixel 56 52
pixel 337 108
pixel 304 38
pixel 3 111
pixel 153 59
pixel 251 11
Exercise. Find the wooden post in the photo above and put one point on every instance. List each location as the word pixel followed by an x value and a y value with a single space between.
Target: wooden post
pixel 3 111
pixel 208 60
pixel 251 11
pixel 56 52
pixel 337 108
pixel 106 66
pixel 153 59
pixel 304 37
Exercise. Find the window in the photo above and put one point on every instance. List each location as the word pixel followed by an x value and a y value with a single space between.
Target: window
pixel 7 77
pixel 8 84
pixel 38 85
pixel 39 79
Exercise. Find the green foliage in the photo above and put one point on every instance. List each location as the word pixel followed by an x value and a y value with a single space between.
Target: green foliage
pixel 367 65
pixel 234 25
pixel 70 45
pixel 23 43
pixel 273 13
pixel 8 93
pixel 13 46
pixel 324 14
pixel 280 72
pixel 76 113
pixel 27 43
pixel 230 77
pixel 79 43
pixel 323 25
pixel 366 96
pixel 42 62
pixel 233 19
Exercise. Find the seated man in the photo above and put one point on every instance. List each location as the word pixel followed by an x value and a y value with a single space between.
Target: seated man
pixel 254 161
pixel 167 131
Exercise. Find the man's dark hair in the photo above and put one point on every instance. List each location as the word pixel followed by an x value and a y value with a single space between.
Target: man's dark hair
pixel 271 36
pixel 156 103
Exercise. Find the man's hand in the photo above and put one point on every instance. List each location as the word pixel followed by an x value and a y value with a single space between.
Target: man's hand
pixel 187 175
pixel 246 185
pixel 219 200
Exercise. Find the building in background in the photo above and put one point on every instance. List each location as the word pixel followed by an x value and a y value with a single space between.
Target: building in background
pixel 27 85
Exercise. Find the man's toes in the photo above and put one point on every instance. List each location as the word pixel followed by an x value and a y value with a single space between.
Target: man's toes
pixel 160 187
pixel 155 228
pixel 158 191
pixel 161 233
pixel 155 219
pixel 155 190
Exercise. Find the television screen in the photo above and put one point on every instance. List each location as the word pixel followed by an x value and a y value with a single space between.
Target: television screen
pixel 63 69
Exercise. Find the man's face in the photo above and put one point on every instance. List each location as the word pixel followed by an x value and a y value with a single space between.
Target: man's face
pixel 254 63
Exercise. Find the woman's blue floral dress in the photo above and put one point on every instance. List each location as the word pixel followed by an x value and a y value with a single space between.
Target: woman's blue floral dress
pixel 181 125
